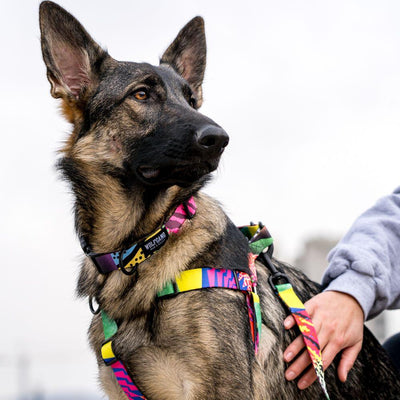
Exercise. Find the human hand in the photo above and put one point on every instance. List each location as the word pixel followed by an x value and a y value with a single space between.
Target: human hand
pixel 339 322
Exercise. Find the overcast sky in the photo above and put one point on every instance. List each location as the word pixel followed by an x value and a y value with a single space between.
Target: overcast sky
pixel 309 92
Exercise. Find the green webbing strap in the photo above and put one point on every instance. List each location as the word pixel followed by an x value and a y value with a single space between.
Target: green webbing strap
pixel 110 327
pixel 261 244
pixel 167 290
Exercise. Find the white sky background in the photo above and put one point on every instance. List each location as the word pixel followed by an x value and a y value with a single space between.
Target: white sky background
pixel 309 92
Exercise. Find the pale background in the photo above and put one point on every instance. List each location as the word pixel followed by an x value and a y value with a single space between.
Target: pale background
pixel 309 92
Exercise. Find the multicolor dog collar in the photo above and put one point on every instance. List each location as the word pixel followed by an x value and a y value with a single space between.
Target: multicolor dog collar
pixel 127 260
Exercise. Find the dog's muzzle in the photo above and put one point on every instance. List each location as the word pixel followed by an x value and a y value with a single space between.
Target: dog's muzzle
pixel 182 157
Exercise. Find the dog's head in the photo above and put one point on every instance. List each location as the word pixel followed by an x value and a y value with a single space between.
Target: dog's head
pixel 133 121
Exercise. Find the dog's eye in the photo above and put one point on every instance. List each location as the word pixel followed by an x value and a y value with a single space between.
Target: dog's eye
pixel 141 94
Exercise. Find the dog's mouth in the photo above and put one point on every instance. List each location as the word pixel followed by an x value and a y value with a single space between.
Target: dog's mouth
pixel 181 174
pixel 148 173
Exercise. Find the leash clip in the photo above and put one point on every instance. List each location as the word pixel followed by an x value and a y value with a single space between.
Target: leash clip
pixel 277 279
pixel 276 276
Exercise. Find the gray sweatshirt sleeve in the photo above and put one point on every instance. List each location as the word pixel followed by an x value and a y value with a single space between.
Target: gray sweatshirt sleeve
pixel 366 262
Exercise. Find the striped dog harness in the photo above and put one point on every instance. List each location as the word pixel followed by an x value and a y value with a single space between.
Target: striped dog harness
pixel 194 279
pixel 261 248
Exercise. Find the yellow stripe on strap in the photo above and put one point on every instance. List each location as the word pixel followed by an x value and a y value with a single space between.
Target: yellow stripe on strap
pixel 154 234
pixel 290 298
pixel 253 229
pixel 190 280
pixel 107 351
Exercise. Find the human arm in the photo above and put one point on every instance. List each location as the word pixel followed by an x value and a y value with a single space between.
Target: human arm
pixel 363 278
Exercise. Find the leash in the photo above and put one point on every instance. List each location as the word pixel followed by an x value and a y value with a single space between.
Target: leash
pixel 261 245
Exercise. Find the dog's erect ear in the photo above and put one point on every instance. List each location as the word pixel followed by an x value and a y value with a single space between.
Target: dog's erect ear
pixel 187 54
pixel 72 57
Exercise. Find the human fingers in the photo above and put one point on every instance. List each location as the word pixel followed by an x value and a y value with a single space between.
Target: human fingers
pixel 294 349
pixel 298 366
pixel 347 360
pixel 328 355
pixel 289 322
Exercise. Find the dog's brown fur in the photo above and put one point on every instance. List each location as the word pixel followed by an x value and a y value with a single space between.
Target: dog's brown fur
pixel 197 345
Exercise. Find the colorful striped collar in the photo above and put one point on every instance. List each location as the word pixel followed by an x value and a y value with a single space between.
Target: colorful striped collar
pixel 128 259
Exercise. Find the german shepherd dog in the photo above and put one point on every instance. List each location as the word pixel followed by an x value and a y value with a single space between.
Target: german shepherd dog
pixel 139 148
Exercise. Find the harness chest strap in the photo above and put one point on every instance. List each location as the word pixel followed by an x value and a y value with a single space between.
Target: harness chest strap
pixel 203 278
pixel 126 383
pixel 189 280
pixel 130 258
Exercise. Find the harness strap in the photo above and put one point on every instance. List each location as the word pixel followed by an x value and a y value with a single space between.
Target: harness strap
pixel 203 278
pixel 127 260
pixel 189 280
pixel 110 328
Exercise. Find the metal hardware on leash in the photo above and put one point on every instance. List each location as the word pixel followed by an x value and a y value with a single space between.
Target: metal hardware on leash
pixel 276 276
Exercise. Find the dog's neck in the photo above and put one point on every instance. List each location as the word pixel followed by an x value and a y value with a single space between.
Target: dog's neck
pixel 110 217
pixel 115 290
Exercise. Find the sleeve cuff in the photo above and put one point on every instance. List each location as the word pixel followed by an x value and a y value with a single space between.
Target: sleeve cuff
pixel 362 288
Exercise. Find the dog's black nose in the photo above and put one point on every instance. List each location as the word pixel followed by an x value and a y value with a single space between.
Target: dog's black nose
pixel 212 139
